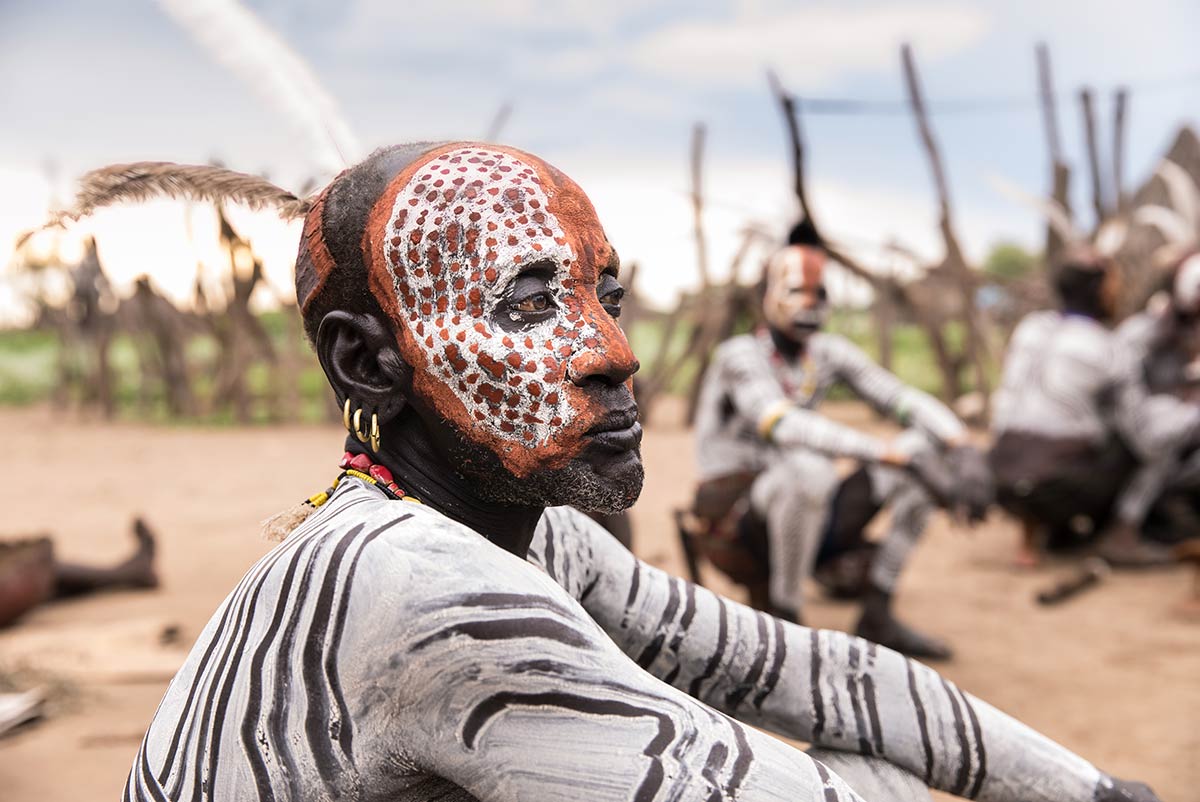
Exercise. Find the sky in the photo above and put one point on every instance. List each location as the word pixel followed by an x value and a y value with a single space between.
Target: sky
pixel 607 91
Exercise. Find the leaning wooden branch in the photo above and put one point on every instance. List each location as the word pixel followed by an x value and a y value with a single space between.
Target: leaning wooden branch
pixel 954 260
pixel 791 119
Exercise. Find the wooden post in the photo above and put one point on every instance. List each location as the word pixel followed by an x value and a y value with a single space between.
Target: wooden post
pixel 1120 107
pixel 1060 173
pixel 698 135
pixel 791 119
pixel 954 260
pixel 1087 106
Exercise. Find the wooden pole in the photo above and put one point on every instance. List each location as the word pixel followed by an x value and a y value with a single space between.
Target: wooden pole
pixel 1060 173
pixel 954 261
pixel 698 136
pixel 791 119
pixel 1087 106
pixel 1120 108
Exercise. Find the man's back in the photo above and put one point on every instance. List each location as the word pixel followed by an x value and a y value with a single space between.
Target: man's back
pixel 1057 375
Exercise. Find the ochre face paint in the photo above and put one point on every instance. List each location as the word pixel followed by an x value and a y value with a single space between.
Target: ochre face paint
pixel 443 243
pixel 794 300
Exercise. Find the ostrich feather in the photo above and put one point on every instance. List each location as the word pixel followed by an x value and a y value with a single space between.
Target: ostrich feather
pixel 1056 216
pixel 1178 230
pixel 1183 192
pixel 141 181
pixel 235 37
pixel 1111 236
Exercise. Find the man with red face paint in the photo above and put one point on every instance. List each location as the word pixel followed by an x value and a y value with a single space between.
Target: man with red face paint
pixel 432 627
pixel 758 421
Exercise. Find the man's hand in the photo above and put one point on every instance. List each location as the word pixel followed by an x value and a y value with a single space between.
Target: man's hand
pixel 932 471
pixel 959 480
pixel 1125 791
pixel 976 487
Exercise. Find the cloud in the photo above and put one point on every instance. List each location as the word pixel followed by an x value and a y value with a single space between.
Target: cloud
pixel 811 47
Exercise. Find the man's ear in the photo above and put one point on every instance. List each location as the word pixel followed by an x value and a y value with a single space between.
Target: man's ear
pixel 359 355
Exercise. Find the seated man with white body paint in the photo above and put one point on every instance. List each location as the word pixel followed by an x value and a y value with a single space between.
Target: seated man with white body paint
pixel 486 643
pixel 1165 336
pixel 757 419
pixel 1082 448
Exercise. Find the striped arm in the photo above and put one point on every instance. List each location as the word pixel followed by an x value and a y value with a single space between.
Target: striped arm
pixel 746 375
pixel 827 688
pixel 504 686
pixel 883 390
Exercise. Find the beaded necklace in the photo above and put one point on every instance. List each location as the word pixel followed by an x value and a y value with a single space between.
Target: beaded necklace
pixel 358 466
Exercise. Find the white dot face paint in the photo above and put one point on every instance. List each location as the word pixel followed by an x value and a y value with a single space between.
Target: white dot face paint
pixel 466 224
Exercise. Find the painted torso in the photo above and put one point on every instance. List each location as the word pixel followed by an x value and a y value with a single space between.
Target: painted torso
pixel 1067 377
pixel 384 651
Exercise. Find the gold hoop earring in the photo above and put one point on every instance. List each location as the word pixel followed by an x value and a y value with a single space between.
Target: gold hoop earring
pixel 358 429
pixel 375 438
pixel 346 415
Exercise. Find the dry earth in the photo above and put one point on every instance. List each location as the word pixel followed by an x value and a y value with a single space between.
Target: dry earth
pixel 1112 674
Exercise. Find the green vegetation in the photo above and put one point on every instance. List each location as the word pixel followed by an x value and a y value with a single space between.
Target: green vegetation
pixel 1008 261
pixel 29 365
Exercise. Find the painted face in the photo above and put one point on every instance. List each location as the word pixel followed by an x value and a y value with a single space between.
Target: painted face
pixel 505 293
pixel 795 302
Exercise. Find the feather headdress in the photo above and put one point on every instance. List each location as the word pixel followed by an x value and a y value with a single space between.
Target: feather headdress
pixel 1107 240
pixel 1179 222
pixel 142 181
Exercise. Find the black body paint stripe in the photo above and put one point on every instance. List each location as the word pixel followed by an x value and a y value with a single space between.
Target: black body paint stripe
pixel 345 734
pixel 750 682
pixel 714 659
pixel 497 703
pixel 831 794
pixel 254 754
pixel 815 686
pixel 316 716
pixel 922 723
pixel 860 724
pixel 964 746
pixel 980 752
pixel 742 763
pixel 689 613
pixel 668 616
pixel 776 669
pixel 868 683
pixel 509 629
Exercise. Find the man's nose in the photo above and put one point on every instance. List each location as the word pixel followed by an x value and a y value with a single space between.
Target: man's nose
pixel 606 357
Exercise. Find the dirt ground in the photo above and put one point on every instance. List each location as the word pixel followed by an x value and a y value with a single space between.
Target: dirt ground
pixel 1110 674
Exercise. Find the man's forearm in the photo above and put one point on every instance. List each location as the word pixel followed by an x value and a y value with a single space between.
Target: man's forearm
pixel 790 426
pixel 829 688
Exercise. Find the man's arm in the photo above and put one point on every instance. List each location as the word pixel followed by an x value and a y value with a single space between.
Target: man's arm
pixel 822 687
pixel 751 386
pixel 493 678
pixel 884 391
pixel 1152 425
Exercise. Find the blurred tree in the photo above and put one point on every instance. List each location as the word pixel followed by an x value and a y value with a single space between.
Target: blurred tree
pixel 1007 261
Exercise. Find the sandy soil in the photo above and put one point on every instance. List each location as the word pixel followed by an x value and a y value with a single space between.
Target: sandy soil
pixel 1111 674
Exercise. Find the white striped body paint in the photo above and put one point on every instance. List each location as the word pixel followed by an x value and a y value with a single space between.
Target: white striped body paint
pixel 1069 377
pixel 385 652
pixel 748 381
pixel 823 687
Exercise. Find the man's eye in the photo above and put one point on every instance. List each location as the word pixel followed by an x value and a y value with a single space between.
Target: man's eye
pixel 613 300
pixel 539 302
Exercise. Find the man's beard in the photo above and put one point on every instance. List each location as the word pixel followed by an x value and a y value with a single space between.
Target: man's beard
pixel 578 484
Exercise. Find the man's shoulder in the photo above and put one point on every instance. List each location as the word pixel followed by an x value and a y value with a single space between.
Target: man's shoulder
pixel 738 347
pixel 827 343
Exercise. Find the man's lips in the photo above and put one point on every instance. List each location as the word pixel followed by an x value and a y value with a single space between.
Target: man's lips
pixel 618 430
